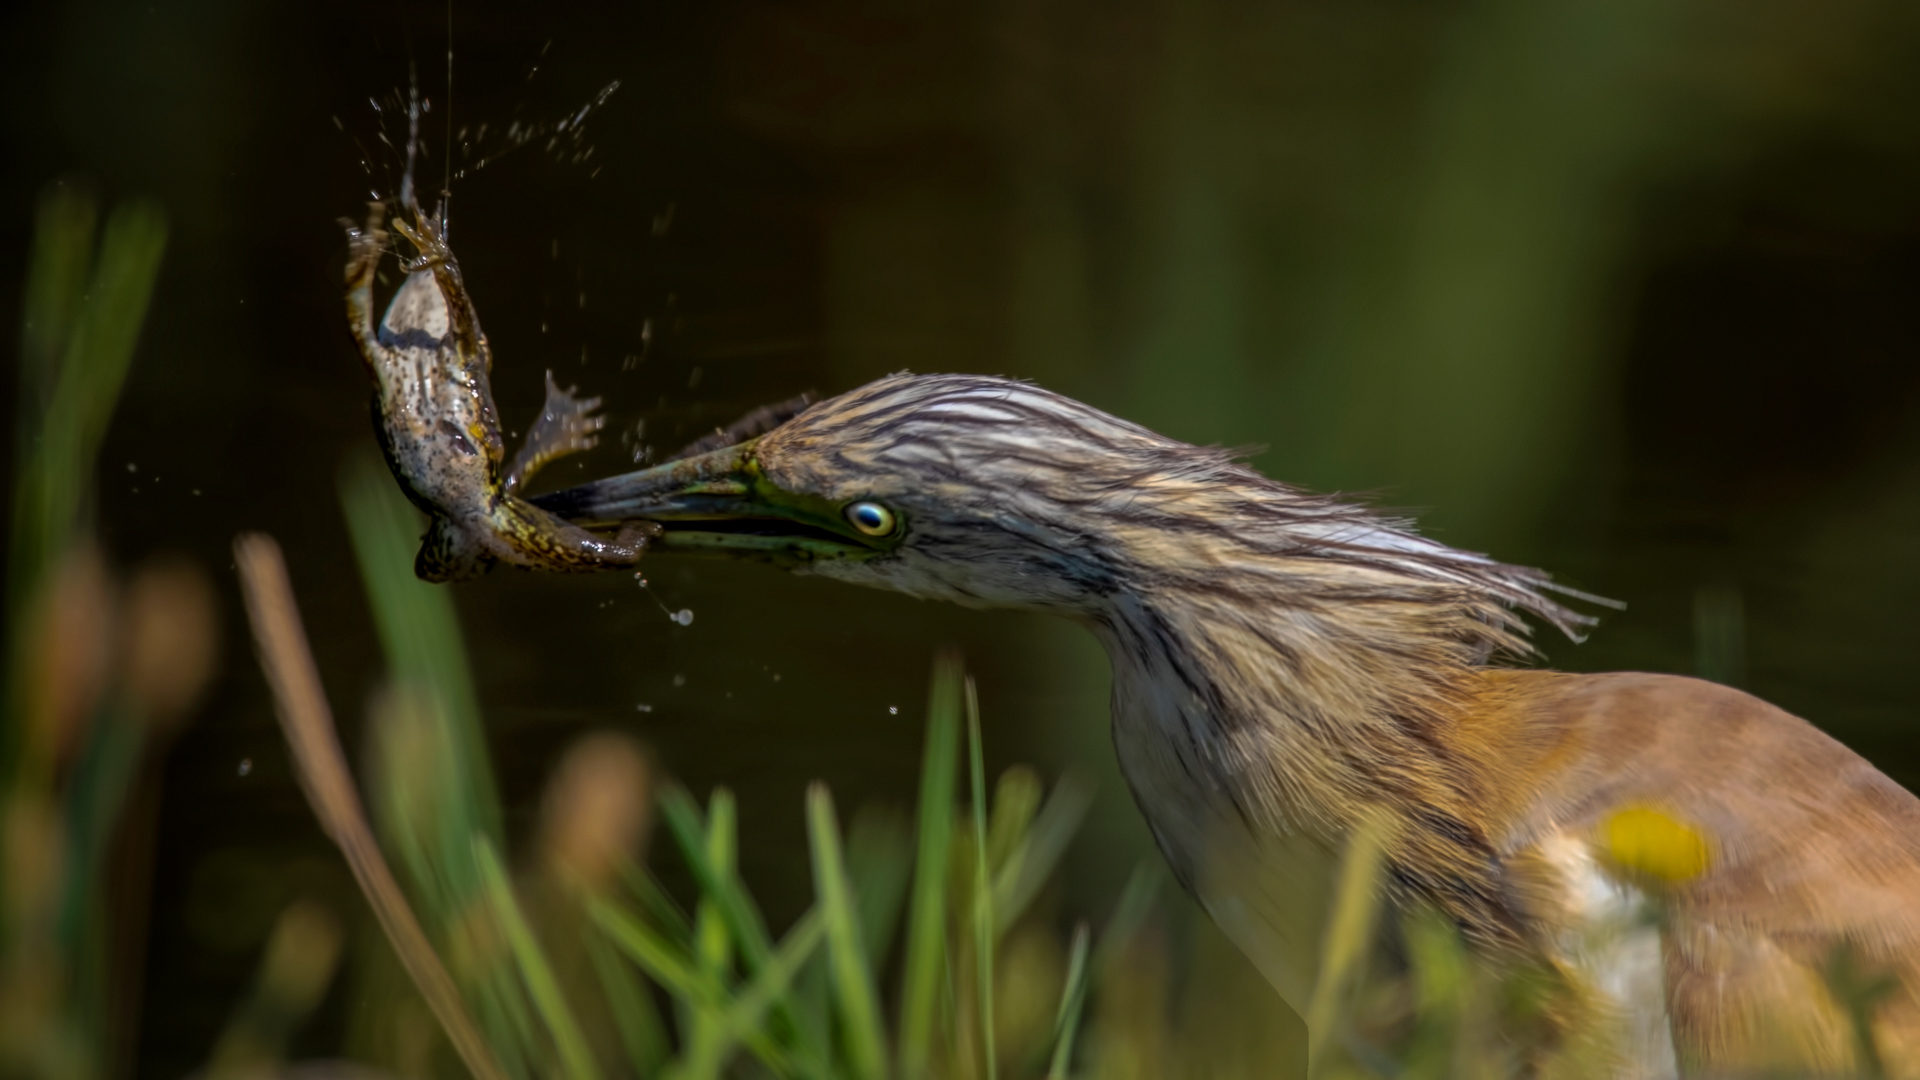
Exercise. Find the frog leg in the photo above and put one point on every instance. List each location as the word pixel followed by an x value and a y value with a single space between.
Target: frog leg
pixel 365 246
pixel 567 425
pixel 523 535
pixel 430 240
pixel 539 540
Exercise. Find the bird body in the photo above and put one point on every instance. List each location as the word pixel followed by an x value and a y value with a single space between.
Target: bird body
pixel 1287 665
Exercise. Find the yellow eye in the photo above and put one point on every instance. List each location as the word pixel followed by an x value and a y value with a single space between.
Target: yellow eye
pixel 871 518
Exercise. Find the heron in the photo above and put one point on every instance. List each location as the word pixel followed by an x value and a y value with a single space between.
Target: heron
pixel 1287 665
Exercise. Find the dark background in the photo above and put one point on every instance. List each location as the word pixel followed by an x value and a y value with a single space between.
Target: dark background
pixel 1623 288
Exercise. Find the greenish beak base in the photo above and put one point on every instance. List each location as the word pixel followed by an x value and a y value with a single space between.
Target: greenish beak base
pixel 721 503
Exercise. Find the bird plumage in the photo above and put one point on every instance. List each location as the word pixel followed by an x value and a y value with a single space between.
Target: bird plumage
pixel 1287 664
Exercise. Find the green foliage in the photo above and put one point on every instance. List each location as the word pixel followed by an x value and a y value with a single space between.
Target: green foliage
pixel 420 632
pixel 85 304
pixel 76 725
pixel 737 993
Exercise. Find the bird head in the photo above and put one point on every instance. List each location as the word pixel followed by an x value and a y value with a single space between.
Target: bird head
pixel 978 490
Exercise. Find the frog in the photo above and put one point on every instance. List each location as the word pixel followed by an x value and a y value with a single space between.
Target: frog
pixel 434 415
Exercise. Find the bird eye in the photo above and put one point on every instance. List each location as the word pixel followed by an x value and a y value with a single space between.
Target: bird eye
pixel 871 518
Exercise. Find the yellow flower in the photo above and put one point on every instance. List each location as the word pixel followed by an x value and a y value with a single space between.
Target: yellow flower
pixel 1652 842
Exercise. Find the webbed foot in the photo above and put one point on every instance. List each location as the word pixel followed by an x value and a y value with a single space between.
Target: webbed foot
pixel 429 241
pixel 428 235
pixel 633 539
pixel 567 425
pixel 580 549
pixel 365 245
pixel 364 248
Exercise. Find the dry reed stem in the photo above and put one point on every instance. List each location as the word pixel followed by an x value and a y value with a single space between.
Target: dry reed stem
pixel 322 769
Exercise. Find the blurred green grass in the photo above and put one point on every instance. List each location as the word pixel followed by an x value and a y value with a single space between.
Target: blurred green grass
pixel 805 1004
pixel 99 669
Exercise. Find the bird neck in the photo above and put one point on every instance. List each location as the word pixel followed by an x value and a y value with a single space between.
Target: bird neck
pixel 1302 717
pixel 1290 694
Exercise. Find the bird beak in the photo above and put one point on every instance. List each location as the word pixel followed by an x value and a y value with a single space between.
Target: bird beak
pixel 719 503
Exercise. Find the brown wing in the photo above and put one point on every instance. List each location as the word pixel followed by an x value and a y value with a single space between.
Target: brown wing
pixel 1816 854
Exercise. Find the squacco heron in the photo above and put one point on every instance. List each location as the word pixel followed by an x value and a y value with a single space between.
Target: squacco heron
pixel 1286 665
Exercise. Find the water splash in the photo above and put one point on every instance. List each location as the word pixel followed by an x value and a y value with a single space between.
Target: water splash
pixel 564 140
pixel 465 148
pixel 683 617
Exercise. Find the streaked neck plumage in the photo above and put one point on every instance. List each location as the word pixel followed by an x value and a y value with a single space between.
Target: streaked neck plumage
pixel 1301 666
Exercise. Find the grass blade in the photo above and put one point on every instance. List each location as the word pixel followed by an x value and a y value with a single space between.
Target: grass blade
pixel 75 366
pixel 1039 849
pixel 1012 802
pixel 298 965
pixel 668 965
pixel 575 1057
pixel 307 723
pixel 1073 999
pixel 654 900
pixel 679 974
pixel 926 926
pixel 983 924
pixel 63 233
pixel 879 863
pixel 635 1016
pixel 420 633
pixel 749 929
pixel 853 979
pixel 82 317
pixel 1343 951
pixel 96 794
pixel 712 943
pixel 717 881
pixel 1135 901
pixel 743 1018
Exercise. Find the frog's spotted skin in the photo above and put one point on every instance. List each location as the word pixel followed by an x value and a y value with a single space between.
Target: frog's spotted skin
pixel 433 410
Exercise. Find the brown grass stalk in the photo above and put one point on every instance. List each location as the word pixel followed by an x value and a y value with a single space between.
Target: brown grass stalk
pixel 322 768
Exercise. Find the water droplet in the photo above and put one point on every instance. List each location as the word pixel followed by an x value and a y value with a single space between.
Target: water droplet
pixel 893 710
pixel 131 467
pixel 246 765
pixel 679 680
pixel 684 616
pixel 643 708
